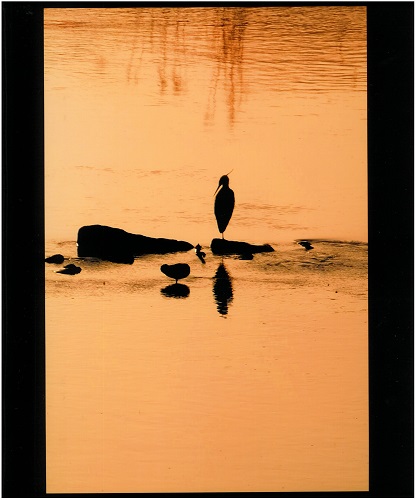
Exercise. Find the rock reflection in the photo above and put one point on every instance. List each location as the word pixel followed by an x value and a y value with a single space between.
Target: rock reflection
pixel 223 289
pixel 177 290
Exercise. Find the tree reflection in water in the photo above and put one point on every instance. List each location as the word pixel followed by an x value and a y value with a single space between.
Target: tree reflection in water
pixel 169 34
pixel 228 38
pixel 223 289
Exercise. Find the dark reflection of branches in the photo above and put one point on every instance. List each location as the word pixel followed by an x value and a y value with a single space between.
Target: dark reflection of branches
pixel 135 59
pixel 178 55
pixel 172 40
pixel 162 33
pixel 223 289
pixel 170 34
pixel 228 35
pixel 163 63
pixel 177 290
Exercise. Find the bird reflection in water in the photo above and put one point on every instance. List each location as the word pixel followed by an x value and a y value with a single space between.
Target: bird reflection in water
pixel 177 290
pixel 223 289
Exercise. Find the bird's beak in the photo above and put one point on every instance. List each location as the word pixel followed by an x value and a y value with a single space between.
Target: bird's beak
pixel 218 188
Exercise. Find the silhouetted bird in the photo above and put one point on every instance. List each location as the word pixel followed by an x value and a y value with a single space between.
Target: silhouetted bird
pixel 198 250
pixel 176 271
pixel 70 269
pixel 306 245
pixel 224 204
pixel 55 259
pixel 200 254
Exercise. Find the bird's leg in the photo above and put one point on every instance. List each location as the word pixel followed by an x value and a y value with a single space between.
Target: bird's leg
pixel 222 235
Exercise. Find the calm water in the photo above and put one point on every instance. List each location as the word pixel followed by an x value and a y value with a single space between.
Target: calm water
pixel 256 379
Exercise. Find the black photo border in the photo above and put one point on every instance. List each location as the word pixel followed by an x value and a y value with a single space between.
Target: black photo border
pixel 391 248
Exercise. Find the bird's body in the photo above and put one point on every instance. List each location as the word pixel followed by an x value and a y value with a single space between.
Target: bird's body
pixel 176 271
pixel 224 204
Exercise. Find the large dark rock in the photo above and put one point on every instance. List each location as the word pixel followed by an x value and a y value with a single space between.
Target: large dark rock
pixel 117 245
pixel 224 247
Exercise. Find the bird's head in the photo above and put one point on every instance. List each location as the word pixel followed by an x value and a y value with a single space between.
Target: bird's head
pixel 224 181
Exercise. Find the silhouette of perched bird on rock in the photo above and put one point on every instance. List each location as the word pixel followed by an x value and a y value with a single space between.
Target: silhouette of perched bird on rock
pixel 224 203
pixel 70 269
pixel 176 271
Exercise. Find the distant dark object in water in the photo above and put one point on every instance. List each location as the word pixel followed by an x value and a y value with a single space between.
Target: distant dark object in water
pixel 226 247
pixel 55 259
pixel 176 271
pixel 117 245
pixel 246 256
pixel 199 254
pixel 305 244
pixel 70 269
pixel 178 290
pixel 222 289
pixel 224 204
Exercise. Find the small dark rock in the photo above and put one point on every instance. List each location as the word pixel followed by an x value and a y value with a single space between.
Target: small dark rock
pixel 55 259
pixel 70 269
pixel 305 244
